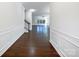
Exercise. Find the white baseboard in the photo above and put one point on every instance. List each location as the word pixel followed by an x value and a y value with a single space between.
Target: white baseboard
pixel 11 41
pixel 59 51
pixel 5 48
pixel 66 45
pixel 26 31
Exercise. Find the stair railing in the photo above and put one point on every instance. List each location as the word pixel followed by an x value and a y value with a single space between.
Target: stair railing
pixel 27 27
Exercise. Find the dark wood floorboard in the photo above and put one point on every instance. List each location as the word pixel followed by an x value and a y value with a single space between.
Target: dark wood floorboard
pixel 32 44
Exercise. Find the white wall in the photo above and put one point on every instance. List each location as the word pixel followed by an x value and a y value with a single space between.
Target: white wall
pixel 11 24
pixel 64 28
pixel 29 18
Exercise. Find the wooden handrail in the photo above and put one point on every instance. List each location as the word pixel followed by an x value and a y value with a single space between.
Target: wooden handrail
pixel 28 25
pixel 27 22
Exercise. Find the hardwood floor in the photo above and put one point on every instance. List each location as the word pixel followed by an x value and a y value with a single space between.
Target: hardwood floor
pixel 33 44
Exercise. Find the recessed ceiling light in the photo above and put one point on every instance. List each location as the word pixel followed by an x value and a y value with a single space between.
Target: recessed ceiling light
pixel 32 10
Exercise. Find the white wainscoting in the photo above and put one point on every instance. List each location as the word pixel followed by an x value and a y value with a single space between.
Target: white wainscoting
pixel 65 44
pixel 9 36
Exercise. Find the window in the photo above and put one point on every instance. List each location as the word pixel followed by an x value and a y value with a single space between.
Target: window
pixel 41 21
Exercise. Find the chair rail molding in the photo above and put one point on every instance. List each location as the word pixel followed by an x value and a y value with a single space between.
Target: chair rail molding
pixel 57 38
pixel 10 34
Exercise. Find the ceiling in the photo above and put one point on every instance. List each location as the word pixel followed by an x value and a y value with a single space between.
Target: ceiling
pixel 35 5
pixel 41 7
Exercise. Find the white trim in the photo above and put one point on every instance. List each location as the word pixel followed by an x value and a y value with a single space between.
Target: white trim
pixel 26 31
pixel 8 45
pixel 9 29
pixel 59 51
pixel 12 41
pixel 68 36
pixel 70 39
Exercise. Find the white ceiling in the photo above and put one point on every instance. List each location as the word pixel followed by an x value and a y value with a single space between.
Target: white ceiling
pixel 41 7
pixel 35 5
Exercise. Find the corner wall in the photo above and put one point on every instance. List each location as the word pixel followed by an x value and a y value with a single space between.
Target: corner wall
pixel 64 28
pixel 11 24
pixel 29 17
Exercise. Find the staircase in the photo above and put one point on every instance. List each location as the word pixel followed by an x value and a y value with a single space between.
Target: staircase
pixel 28 25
